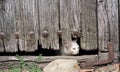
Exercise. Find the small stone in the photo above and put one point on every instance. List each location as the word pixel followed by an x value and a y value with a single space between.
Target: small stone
pixel 62 65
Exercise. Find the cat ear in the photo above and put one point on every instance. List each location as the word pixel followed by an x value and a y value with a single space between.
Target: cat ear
pixel 68 46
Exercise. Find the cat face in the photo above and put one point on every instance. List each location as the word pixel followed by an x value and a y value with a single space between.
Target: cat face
pixel 74 48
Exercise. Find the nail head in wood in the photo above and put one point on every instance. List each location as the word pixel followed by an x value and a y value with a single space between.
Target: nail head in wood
pixel 31 33
pixel 2 35
pixel 45 33
pixel 17 34
pixel 59 32
pixel 75 33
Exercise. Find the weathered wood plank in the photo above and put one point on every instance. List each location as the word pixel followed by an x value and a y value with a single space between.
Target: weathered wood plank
pixel 43 61
pixel 1 25
pixel 48 59
pixel 89 26
pixel 112 9
pixel 17 22
pixel 9 26
pixel 70 11
pixel 103 26
pixel 48 19
pixel 28 37
pixel 108 25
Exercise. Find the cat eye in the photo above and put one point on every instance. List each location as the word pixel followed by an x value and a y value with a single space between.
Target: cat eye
pixel 74 48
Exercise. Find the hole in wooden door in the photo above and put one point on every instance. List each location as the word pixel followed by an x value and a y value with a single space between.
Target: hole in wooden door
pixel 49 52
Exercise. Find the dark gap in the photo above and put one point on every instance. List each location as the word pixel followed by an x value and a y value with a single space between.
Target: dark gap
pixel 18 45
pixel 97 28
pixel 47 52
pixel 3 44
pixel 91 52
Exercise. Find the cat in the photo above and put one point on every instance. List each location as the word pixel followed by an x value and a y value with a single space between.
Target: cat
pixel 69 49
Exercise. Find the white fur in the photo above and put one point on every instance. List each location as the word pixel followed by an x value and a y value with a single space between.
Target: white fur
pixel 71 48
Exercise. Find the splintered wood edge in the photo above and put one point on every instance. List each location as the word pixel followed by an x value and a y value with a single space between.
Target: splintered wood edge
pixel 46 59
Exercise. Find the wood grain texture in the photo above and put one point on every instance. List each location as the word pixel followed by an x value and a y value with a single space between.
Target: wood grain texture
pixel 89 26
pixel 45 59
pixel 112 9
pixel 70 11
pixel 9 26
pixel 108 25
pixel 1 24
pixel 28 26
pixel 4 60
pixel 103 25
pixel 48 19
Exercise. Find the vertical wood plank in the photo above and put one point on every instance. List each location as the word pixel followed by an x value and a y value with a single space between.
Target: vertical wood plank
pixel 28 37
pixel 1 25
pixel 17 22
pixel 9 26
pixel 20 23
pixel 112 10
pixel 89 26
pixel 119 24
pixel 108 25
pixel 1 40
pixel 70 11
pixel 48 19
pixel 103 25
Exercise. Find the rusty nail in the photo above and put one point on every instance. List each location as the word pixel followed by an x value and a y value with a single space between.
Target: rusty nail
pixel 104 61
pixel 2 35
pixel 17 34
pixel 59 32
pixel 45 33
pixel 75 33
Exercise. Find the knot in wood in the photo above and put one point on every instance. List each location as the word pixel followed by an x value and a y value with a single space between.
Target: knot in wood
pixel 2 35
pixel 45 33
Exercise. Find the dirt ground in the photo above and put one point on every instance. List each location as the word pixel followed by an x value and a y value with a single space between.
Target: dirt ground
pixel 108 68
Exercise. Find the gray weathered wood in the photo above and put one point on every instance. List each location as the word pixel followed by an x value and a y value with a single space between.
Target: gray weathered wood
pixel 103 26
pixel 9 26
pixel 48 19
pixel 17 20
pixel 6 60
pixel 47 59
pixel 112 9
pixel 108 25
pixel 89 26
pixel 70 11
pixel 28 30
pixel 1 25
